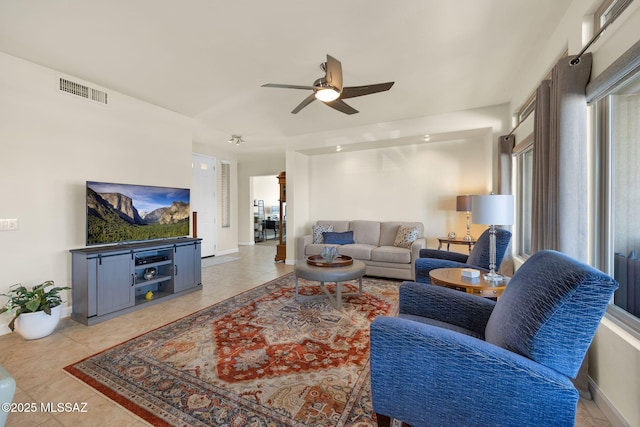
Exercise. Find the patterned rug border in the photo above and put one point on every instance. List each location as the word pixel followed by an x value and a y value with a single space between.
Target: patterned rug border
pixel 119 396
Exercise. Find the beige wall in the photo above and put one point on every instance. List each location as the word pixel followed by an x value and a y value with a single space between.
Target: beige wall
pixel 51 143
pixel 416 182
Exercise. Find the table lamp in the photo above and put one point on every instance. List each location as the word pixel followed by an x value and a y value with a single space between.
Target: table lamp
pixel 463 204
pixel 492 209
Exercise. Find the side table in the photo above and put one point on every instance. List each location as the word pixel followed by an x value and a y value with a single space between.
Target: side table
pixel 448 241
pixel 452 278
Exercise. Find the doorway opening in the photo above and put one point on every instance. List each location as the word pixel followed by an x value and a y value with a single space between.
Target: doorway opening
pixel 266 209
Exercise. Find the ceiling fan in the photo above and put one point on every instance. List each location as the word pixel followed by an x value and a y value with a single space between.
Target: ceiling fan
pixel 329 90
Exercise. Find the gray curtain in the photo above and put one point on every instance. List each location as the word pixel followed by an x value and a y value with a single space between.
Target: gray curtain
pixel 505 162
pixel 559 218
pixel 560 180
pixel 505 145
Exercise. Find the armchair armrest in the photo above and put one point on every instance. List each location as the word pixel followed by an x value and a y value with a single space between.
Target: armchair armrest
pixel 416 247
pixel 439 254
pixel 424 265
pixel 425 375
pixel 446 305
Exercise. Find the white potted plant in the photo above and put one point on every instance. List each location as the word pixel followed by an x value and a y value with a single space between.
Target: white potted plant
pixel 36 311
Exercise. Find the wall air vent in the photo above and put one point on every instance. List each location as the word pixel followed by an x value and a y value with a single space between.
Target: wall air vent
pixel 83 91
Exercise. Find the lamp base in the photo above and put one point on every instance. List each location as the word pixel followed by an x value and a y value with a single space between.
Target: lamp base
pixel 493 277
pixel 468 238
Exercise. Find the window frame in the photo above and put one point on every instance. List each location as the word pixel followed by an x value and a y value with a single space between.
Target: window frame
pixel 519 156
pixel 603 165
pixel 225 194
pixel 607 12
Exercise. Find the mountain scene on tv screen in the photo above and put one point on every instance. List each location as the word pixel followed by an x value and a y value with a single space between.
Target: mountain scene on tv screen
pixel 114 217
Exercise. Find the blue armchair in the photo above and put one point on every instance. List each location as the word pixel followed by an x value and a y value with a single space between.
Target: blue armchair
pixel 431 259
pixel 455 359
pixel 7 390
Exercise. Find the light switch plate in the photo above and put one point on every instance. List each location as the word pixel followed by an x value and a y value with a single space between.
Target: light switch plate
pixel 8 224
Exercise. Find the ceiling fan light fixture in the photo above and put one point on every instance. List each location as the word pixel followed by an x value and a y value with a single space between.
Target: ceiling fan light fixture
pixel 327 94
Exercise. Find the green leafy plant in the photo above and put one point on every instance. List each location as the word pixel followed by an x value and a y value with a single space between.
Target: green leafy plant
pixel 42 297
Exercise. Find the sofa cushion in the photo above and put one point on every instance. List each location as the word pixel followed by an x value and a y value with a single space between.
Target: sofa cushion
pixel 357 251
pixel 318 230
pixel 338 226
pixel 391 254
pixel 344 238
pixel 406 236
pixel 389 231
pixel 366 232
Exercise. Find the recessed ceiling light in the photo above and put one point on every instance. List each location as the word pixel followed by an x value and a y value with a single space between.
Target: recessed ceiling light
pixel 427 137
pixel 338 148
pixel 235 139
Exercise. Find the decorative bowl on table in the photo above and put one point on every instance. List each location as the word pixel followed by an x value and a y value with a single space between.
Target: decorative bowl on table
pixel 339 261
pixel 329 253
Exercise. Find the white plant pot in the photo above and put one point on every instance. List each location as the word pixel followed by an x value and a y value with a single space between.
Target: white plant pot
pixel 39 324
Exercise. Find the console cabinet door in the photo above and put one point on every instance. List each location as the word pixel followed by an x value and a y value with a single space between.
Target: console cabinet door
pixel 186 259
pixel 114 278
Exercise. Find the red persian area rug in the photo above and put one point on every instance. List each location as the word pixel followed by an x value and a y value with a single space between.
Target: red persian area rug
pixel 258 359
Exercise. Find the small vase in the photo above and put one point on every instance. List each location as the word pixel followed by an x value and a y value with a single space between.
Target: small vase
pixel 39 324
pixel 329 253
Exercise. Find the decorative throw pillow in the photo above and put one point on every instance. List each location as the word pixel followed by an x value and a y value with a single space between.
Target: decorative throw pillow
pixel 345 238
pixel 406 236
pixel 318 230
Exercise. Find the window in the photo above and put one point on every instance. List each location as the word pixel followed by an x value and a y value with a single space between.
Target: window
pixel 523 162
pixel 617 153
pixel 623 114
pixel 225 193
pixel 608 11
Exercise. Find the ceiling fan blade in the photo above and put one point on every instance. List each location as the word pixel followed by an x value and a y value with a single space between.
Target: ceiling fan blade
pixel 353 91
pixel 334 73
pixel 308 100
pixel 283 86
pixel 341 106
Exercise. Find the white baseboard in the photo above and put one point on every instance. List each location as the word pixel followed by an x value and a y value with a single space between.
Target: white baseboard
pixel 605 405
pixel 227 252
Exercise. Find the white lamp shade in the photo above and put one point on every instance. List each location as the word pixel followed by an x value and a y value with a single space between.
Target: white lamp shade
pixel 492 209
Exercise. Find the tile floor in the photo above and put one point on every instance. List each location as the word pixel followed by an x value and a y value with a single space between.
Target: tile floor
pixel 43 380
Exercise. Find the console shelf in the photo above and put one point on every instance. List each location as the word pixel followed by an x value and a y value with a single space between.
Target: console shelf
pixel 109 281
pixel 147 282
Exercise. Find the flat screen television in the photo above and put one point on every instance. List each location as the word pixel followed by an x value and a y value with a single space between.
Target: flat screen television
pixel 119 213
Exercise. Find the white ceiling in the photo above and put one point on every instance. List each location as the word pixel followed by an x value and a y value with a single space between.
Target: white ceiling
pixel 206 59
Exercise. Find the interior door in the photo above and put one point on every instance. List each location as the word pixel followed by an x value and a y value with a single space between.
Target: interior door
pixel 203 200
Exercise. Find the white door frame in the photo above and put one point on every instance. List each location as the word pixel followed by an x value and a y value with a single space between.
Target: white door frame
pixel 203 200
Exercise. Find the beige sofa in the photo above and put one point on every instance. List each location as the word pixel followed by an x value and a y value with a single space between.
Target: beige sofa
pixel 373 244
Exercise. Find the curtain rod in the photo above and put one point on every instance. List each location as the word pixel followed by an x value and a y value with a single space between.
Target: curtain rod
pixel 576 60
pixel 513 130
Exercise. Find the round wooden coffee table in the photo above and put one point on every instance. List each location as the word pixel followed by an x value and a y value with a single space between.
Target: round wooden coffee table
pixel 335 275
pixel 452 278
